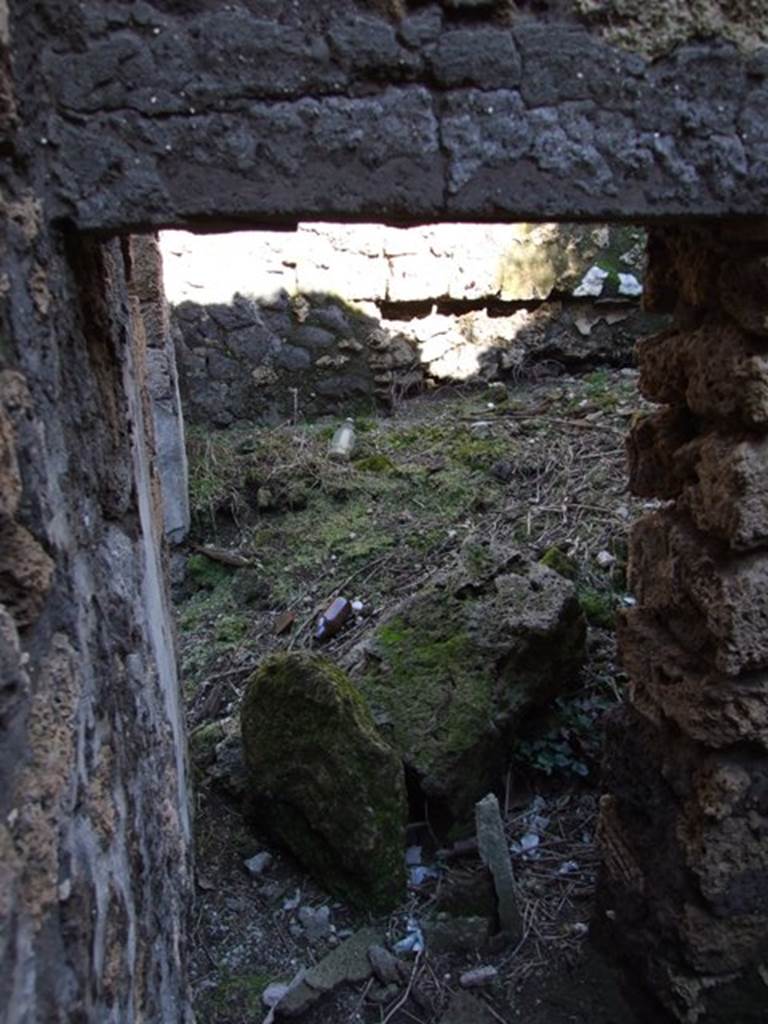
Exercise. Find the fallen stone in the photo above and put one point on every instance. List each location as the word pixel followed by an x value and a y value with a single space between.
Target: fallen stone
pixel 466 1009
pixel 494 852
pixel 347 964
pixel 478 977
pixel 322 781
pixel 456 667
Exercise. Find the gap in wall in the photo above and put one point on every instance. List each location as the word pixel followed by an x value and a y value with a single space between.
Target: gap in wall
pixel 488 370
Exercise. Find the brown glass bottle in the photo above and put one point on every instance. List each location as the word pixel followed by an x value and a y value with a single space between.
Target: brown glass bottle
pixel 333 618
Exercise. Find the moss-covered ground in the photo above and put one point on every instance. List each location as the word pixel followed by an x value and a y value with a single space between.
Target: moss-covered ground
pixel 540 465
pixel 544 468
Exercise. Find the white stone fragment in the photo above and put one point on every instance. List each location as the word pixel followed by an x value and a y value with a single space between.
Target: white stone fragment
pixel 273 993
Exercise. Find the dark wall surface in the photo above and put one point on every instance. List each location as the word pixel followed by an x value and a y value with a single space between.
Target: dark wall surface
pixel 189 113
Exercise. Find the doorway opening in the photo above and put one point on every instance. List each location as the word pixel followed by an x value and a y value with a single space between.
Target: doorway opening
pixel 476 534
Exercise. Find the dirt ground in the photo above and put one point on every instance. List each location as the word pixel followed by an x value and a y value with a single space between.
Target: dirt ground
pixel 541 463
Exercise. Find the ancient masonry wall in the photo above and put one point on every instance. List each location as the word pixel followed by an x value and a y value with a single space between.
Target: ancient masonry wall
pixel 94 809
pixel 339 317
pixel 685 825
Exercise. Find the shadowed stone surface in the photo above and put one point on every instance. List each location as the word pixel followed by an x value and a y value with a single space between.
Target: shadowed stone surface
pixel 322 781
pixel 165 113
pixel 684 823
pixel 451 672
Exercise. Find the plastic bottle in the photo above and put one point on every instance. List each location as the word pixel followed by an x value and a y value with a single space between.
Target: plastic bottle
pixel 333 618
pixel 343 441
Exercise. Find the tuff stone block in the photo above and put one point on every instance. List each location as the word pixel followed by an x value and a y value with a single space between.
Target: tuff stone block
pixel 743 291
pixel 654 446
pixel 680 876
pixel 715 603
pixel 668 682
pixel 717 370
pixel 726 491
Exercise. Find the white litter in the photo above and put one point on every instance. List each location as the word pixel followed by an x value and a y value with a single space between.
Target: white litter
pixel 568 867
pixel 629 285
pixel 413 942
pixel 591 283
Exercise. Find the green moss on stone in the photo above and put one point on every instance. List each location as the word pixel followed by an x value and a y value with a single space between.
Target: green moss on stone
pixel 322 780
pixel 563 564
pixel 455 669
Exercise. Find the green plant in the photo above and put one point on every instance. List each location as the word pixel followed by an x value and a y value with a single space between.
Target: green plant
pixel 205 574
pixel 572 740
pixel 598 606
pixel 235 994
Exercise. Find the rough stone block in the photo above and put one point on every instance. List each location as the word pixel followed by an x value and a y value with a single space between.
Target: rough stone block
pixel 10 480
pixel 714 602
pixel 717 370
pixel 26 572
pixel 334 265
pixel 654 446
pixel 727 493
pixel 494 852
pixel 322 781
pixel 683 268
pixel 458 665
pixel 666 682
pixel 484 56
pixel 722 834
pixel 743 291
pixel 418 276
pixel 667 848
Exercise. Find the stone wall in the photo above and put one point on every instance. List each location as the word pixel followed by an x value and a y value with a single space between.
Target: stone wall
pixel 176 112
pixel 149 304
pixel 94 808
pixel 685 827
pixel 340 317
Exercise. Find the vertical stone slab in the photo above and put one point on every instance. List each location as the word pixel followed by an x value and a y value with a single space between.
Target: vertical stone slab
pixel 684 823
pixel 152 318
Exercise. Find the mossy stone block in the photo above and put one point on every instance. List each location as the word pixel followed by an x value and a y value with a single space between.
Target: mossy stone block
pixel 454 669
pixel 322 781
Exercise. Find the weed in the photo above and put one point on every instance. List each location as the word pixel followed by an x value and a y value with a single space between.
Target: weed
pixel 572 741
pixel 375 464
pixel 205 574
pixel 239 992
pixel 598 607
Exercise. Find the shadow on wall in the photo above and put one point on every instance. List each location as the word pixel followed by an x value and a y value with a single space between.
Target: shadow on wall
pixel 288 357
pixel 305 356
pixel 443 303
